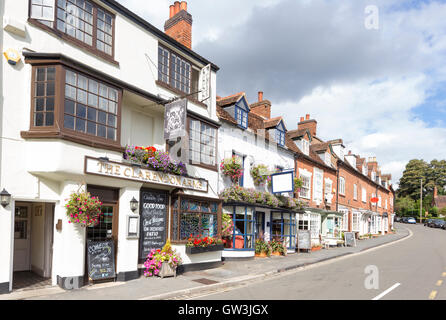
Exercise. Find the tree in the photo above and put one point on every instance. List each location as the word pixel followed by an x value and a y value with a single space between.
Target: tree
pixel 434 211
pixel 410 181
pixel 405 206
pixel 436 176
pixel 443 211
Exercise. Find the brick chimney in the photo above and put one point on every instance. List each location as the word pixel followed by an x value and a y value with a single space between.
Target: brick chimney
pixel 309 124
pixel 435 192
pixel 179 25
pixel 261 107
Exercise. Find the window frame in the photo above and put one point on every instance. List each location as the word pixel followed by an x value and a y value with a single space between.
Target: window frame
pixel 292 228
pixel 203 165
pixel 281 135
pixel 179 211
pixel 342 186
pixel 355 192
pixel 58 130
pixel 364 195
pixel 73 40
pixel 243 116
pixel 305 176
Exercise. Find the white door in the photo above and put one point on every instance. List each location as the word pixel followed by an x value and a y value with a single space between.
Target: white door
pixel 22 244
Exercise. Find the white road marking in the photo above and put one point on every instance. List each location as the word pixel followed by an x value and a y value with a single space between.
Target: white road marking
pixel 396 285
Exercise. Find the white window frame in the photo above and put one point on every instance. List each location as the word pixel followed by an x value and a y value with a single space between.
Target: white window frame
pixel 342 186
pixel 379 201
pixel 356 221
pixel 328 194
pixel 307 175
pixel 355 192
pixel 315 225
pixel 318 190
pixel 41 5
pixel 364 195
pixel 386 204
pixel 374 203
pixel 344 223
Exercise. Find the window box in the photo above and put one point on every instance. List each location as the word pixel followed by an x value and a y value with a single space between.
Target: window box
pixel 198 250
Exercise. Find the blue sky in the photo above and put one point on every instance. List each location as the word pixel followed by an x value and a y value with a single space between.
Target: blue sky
pixel 382 91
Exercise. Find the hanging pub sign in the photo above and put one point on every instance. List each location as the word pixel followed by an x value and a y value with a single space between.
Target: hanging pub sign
pixel 126 171
pixel 153 221
pixel 175 116
pixel 100 260
pixel 282 182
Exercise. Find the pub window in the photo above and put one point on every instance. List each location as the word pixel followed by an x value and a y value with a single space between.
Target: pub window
pixel 243 237
pixel 44 94
pixel 203 143
pixel 194 217
pixel 80 19
pixel 176 71
pixel 80 106
pixel 107 227
pixel 283 226
pixel 90 107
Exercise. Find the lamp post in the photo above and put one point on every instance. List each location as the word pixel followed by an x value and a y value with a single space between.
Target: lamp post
pixel 421 201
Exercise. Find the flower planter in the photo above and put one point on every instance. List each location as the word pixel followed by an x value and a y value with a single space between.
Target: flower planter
pixel 197 250
pixel 276 254
pixel 167 271
pixel 316 249
pixel 261 255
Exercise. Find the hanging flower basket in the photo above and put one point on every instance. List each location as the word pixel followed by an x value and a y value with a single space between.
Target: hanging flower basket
pixel 232 168
pixel 83 209
pixel 260 174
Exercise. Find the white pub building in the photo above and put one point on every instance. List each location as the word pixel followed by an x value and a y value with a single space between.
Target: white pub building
pixel 81 81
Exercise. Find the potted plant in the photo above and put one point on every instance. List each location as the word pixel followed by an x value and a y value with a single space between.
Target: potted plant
pixel 199 244
pixel 259 174
pixel 262 249
pixel 162 263
pixel 83 209
pixel 316 247
pixel 232 168
pixel 277 248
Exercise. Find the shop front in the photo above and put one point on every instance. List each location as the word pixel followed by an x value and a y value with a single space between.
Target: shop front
pixel 311 219
pixel 332 223
pixel 253 222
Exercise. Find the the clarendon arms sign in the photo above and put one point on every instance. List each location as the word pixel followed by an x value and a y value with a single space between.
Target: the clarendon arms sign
pixel 125 171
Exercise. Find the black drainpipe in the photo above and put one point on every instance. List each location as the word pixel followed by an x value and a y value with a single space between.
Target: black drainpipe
pixel 337 186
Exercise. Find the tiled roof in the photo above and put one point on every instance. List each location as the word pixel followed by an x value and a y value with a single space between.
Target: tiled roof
pixel 271 123
pixel 318 147
pixel 293 134
pixel 229 100
pixel 223 115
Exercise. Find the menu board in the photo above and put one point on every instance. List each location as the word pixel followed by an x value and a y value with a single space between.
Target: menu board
pixel 101 259
pixel 304 240
pixel 350 240
pixel 153 221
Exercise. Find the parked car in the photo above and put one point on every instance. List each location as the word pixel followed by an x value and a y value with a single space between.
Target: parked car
pixel 404 219
pixel 432 223
pixel 427 222
pixel 398 219
pixel 438 224
pixel 411 220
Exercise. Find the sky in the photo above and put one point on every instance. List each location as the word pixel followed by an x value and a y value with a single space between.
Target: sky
pixel 373 76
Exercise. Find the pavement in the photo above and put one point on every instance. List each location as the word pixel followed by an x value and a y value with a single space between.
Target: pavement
pixel 233 275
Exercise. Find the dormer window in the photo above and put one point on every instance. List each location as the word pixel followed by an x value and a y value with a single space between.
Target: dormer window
pixel 327 159
pixel 280 137
pixel 373 175
pixel 305 147
pixel 241 116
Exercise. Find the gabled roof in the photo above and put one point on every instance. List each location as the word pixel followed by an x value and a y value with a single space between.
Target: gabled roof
pixel 230 100
pixel 319 147
pixel 223 115
pixel 295 134
pixel 272 123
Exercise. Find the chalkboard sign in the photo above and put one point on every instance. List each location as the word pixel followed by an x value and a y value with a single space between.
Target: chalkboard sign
pixel 153 221
pixel 101 259
pixel 304 240
pixel 350 240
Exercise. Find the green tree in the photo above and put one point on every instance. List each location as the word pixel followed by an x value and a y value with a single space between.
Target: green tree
pixel 405 206
pixel 434 212
pixel 436 176
pixel 410 181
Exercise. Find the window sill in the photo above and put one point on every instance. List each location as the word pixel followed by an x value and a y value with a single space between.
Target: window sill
pixel 73 41
pixel 205 166
pixel 180 93
pixel 55 134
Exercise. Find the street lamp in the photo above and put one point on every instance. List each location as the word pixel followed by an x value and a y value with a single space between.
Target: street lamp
pixel 134 204
pixel 5 198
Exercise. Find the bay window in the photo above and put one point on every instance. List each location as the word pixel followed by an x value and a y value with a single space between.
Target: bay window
pixel 80 21
pixel 202 143
pixel 70 104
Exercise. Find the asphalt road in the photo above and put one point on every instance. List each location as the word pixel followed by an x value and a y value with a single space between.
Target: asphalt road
pixel 414 268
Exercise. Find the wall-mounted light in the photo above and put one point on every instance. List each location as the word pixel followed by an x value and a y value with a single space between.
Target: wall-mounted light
pixel 134 204
pixel 5 198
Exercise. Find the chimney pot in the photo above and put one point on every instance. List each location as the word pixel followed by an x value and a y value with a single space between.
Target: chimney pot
pixel 349 152
pixel 302 119
pixel 435 192
pixel 307 117
pixel 260 96
pixel 183 5
pixel 172 11
pixel 177 6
